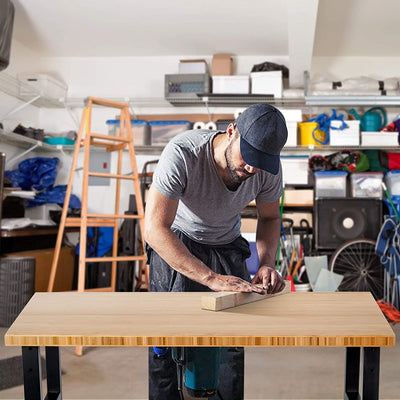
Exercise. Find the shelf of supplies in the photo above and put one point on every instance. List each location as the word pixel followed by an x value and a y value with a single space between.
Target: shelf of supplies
pixel 26 142
pixel 12 86
pixel 229 100
pixel 352 101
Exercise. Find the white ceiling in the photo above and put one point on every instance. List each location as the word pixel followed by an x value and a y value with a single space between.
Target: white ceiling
pixel 72 28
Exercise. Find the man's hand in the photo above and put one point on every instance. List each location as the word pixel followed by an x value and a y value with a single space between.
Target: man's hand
pixel 271 280
pixel 231 283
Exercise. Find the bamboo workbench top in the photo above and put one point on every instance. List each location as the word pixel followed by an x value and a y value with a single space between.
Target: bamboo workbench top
pixel 176 319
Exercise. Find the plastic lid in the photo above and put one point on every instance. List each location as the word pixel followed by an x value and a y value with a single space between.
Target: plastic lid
pixel 394 171
pixel 133 122
pixel 180 122
pixel 330 173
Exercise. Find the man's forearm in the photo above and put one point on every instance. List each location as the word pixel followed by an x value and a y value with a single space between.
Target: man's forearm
pixel 267 240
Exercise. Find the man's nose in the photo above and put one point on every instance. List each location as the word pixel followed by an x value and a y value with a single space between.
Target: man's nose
pixel 250 169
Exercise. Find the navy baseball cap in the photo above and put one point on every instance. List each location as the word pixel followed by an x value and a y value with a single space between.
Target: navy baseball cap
pixel 263 133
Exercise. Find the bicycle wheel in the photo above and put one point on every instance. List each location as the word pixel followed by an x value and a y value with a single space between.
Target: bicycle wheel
pixel 361 267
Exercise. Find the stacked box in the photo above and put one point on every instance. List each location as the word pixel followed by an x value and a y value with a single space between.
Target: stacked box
pixel 349 136
pixel 269 82
pixel 230 84
pixel 366 184
pixel 330 183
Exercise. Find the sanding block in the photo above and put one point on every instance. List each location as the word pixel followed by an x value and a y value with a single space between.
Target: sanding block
pixel 222 300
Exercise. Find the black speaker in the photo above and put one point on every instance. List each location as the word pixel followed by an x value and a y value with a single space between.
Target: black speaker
pixel 338 220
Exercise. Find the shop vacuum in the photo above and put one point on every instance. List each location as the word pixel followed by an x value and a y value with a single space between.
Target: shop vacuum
pixel 198 368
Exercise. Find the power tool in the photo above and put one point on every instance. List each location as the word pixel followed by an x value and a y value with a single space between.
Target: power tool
pixel 198 369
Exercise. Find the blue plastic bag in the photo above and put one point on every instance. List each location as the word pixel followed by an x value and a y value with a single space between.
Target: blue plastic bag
pixel 34 173
pixel 55 195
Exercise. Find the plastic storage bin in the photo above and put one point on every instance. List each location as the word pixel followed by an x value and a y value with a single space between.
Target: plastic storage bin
pixel 349 136
pixel 231 84
pixel 140 129
pixel 163 131
pixel 41 212
pixel 45 85
pixel 268 82
pixel 330 183
pixel 366 184
pixel 392 180
pixel 17 285
pixel 295 169
pixel 379 138
pixel 59 141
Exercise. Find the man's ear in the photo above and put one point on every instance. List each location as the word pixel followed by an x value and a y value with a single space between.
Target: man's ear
pixel 230 130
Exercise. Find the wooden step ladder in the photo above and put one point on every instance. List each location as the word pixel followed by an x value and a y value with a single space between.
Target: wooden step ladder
pixel 86 139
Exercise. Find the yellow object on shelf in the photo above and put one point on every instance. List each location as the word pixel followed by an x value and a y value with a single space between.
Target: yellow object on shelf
pixel 306 134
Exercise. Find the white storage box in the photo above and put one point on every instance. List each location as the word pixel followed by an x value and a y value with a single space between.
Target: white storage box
pixel 392 180
pixel 163 131
pixel 192 67
pixel 366 184
pixel 379 138
pixel 349 136
pixel 230 84
pixel 295 169
pixel 292 133
pixel 269 82
pixel 330 183
pixel 41 212
pixel 45 85
pixel 140 129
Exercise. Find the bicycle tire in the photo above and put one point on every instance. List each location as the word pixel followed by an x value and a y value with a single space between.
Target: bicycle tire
pixel 361 267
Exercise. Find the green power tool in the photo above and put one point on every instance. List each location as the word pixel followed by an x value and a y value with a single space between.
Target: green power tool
pixel 198 367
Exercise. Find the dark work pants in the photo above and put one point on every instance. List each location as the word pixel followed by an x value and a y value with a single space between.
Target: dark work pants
pixel 227 259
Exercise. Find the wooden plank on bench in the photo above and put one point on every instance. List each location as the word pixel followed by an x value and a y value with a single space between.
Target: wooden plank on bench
pixel 222 300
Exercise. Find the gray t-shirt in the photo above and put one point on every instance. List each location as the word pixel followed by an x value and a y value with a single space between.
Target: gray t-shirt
pixel 208 212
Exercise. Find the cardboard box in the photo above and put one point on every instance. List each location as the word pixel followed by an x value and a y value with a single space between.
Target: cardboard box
pixel 44 259
pixel 299 197
pixel 192 67
pixel 221 64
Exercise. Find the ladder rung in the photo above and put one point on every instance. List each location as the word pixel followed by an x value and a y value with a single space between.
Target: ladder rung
pixel 118 258
pixel 117 176
pixel 115 216
pixel 76 222
pixel 108 103
pixel 109 137
pixel 100 289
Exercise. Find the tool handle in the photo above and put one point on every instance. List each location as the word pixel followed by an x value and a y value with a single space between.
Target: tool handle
pixel 296 268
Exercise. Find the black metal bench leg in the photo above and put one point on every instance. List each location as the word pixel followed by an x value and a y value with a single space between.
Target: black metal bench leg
pixel 352 374
pixel 53 374
pixel 32 373
pixel 371 364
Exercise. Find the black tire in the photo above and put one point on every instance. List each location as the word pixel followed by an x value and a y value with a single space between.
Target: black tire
pixel 361 267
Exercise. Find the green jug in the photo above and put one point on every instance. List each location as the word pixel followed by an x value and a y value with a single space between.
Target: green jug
pixel 371 121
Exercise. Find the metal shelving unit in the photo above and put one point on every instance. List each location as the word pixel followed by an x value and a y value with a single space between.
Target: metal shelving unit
pixel 346 100
pixel 229 100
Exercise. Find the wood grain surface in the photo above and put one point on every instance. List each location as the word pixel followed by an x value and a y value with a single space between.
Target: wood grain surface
pixel 222 300
pixel 176 319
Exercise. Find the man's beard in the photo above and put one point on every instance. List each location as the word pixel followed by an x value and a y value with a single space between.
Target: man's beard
pixel 237 179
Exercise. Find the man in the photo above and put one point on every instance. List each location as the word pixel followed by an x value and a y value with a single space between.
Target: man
pixel 203 180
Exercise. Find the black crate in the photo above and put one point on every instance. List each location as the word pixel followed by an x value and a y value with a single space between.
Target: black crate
pixel 17 285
